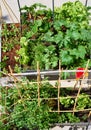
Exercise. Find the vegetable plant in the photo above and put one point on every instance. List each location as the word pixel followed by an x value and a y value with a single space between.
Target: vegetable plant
pixel 73 12
pixel 83 101
pixel 66 38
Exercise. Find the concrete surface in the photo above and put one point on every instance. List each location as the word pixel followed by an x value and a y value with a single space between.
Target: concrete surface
pixel 9 81
pixel 71 128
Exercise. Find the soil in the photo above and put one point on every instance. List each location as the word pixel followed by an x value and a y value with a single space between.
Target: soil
pixel 11 60
pixel 13 52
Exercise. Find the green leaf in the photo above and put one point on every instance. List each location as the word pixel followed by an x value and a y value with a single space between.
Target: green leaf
pixel 66 58
pixel 82 51
pixel 48 36
pixel 85 34
pixel 76 35
pixel 34 28
pixel 74 52
pixel 65 42
pixel 79 52
pixel 58 37
pixel 23 41
pixel 38 22
pixel 58 24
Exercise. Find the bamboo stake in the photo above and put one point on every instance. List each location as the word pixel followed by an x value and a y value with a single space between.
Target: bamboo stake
pixel 80 87
pixel 81 110
pixel 25 110
pixel 59 86
pixel 89 114
pixel 0 15
pixel 46 99
pixel 49 111
pixel 6 93
pixel 1 100
pixel 38 82
pixel 15 79
pixel 9 9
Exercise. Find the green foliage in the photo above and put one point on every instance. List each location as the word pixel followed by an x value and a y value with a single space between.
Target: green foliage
pixel 66 102
pixel 23 50
pixel 68 117
pixel 83 101
pixel 47 91
pixel 20 106
pixel 70 43
pixel 73 11
pixel 10 37
pixel 34 12
pixel 67 38
pixel 32 117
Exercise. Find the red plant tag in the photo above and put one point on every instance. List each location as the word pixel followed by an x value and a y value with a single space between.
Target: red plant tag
pixel 79 73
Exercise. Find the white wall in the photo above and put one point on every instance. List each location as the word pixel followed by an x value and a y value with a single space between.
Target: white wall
pixel 14 6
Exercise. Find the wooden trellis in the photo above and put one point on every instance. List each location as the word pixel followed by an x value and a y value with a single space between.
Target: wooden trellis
pixel 58 87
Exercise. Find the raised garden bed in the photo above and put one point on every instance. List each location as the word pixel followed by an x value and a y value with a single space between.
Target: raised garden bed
pixel 38 104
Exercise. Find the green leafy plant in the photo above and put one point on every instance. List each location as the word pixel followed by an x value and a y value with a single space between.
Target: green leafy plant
pixel 70 43
pixel 68 117
pixel 62 39
pixel 34 12
pixel 83 101
pixel 20 106
pixel 73 11
pixel 66 102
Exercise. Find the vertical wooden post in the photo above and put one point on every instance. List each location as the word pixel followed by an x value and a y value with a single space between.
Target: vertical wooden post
pixel 38 82
pixel 89 114
pixel 15 79
pixel 59 85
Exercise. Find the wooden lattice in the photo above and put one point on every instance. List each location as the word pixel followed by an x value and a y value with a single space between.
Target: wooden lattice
pixel 39 82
